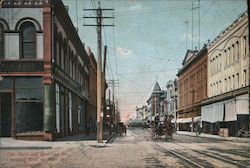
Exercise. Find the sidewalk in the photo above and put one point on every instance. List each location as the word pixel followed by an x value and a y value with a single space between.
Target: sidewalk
pixel 214 136
pixel 66 142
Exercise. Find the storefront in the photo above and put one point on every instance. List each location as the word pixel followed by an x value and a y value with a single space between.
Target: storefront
pixel 231 114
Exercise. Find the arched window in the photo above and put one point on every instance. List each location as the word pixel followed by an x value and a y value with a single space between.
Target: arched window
pixel 28 40
pixel 1 41
pixel 55 43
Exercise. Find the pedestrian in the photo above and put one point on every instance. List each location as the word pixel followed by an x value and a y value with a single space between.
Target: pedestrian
pixel 87 128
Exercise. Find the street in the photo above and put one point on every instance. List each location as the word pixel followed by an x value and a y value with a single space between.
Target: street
pixel 136 149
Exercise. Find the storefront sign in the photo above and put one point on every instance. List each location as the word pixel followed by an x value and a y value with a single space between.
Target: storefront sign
pixel 21 66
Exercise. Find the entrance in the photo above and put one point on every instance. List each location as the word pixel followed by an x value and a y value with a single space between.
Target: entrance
pixel 5 114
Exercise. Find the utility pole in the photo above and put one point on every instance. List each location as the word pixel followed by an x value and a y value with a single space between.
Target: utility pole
pixel 199 19
pixel 186 23
pixel 110 116
pixel 193 8
pixel 113 83
pixel 99 18
pixel 104 86
pixel 192 25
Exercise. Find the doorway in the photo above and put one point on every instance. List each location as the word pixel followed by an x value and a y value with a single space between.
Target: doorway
pixel 5 114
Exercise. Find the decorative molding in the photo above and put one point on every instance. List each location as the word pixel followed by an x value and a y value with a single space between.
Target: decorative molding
pixel 28 19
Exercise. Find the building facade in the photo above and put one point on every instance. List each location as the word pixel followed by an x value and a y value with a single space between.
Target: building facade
pixel 156 102
pixel 45 71
pixel 192 87
pixel 227 106
pixel 91 112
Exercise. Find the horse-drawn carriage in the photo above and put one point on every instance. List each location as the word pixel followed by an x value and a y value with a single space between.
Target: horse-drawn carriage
pixel 160 129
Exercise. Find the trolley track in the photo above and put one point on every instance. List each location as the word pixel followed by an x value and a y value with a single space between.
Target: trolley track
pixel 192 156
pixel 186 161
pixel 195 157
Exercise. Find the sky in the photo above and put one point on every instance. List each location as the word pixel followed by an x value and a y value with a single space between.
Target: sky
pixel 150 38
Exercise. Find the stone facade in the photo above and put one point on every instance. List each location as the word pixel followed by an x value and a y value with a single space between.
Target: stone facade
pixel 228 80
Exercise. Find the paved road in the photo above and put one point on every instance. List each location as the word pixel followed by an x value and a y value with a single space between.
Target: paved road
pixel 135 150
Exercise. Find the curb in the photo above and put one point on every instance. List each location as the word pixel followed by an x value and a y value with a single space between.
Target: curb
pixel 26 147
pixel 234 139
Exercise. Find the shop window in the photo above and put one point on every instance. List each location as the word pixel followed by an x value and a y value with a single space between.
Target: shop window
pixel 29 116
pixel 29 104
pixel 28 40
pixel 1 41
pixel 5 84
pixel 29 89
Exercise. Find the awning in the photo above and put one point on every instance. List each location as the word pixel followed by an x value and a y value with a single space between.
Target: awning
pixel 212 113
pixel 230 110
pixel 184 120
pixel 242 104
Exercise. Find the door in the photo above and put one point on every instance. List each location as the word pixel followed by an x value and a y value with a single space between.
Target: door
pixel 5 114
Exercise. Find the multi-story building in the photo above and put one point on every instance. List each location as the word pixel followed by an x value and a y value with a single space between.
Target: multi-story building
pixel 170 102
pixel 139 113
pixel 91 112
pixel 192 82
pixel 227 105
pixel 45 71
pixel 155 105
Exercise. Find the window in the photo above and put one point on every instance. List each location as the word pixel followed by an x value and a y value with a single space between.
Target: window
pixel 237 50
pixel 29 89
pixel 28 40
pixel 245 45
pixel 1 41
pixel 229 56
pixel 233 82
pixel 70 112
pixel 29 104
pixel 233 53
pixel 237 80
pixel 57 108
pixel 55 44
pixel 219 62
pixel 225 51
pixel 244 78
pixel 225 85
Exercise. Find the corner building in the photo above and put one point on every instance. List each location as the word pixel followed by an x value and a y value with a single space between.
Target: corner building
pixel 44 87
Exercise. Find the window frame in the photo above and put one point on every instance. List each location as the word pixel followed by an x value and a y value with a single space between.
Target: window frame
pixel 22 51
pixel 2 40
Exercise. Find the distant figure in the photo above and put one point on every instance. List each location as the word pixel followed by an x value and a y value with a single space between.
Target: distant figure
pixel 125 129
pixel 87 128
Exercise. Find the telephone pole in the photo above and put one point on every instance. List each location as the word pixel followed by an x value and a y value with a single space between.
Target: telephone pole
pixel 186 23
pixel 114 83
pixel 99 18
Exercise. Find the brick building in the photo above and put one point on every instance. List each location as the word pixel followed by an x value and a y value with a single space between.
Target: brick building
pixel 192 87
pixel 45 71
pixel 91 112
